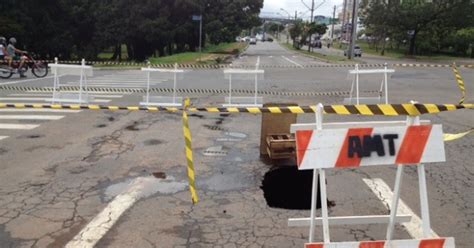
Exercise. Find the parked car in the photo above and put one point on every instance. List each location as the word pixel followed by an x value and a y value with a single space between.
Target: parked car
pixel 357 51
pixel 316 44
pixel 269 39
pixel 253 41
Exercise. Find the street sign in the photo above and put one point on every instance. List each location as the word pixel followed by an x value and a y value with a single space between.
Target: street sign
pixel 197 17
pixel 354 147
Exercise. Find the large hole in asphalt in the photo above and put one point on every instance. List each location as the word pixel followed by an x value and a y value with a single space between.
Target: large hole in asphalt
pixel 288 188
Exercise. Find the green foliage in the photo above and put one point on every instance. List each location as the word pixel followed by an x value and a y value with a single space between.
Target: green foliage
pixel 422 27
pixel 84 28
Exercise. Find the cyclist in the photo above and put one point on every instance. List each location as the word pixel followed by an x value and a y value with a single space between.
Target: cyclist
pixel 12 50
pixel 3 48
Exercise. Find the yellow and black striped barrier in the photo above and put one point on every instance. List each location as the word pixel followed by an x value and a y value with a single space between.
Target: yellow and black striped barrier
pixel 366 110
pixel 189 153
pixel 461 84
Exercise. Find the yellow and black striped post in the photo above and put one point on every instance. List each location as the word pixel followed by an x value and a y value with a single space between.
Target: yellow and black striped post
pixel 461 84
pixel 189 153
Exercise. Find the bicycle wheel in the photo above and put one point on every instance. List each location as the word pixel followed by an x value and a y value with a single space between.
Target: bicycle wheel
pixel 40 70
pixel 5 72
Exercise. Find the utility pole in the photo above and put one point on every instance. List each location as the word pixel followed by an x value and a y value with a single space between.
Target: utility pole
pixel 355 11
pixel 296 15
pixel 343 27
pixel 310 23
pixel 333 21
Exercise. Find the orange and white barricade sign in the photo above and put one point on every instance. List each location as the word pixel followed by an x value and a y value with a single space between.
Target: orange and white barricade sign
pixel 351 145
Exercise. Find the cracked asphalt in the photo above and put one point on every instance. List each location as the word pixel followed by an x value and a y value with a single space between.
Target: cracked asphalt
pixel 56 178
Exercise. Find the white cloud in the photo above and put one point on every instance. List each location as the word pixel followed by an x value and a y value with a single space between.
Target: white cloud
pixel 272 7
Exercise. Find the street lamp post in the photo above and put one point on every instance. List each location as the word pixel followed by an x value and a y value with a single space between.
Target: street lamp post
pixel 199 18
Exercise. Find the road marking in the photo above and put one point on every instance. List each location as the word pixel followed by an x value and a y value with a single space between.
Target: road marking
pixel 31 117
pixel 18 126
pixel 293 62
pixel 26 80
pixel 385 194
pixel 27 99
pixel 139 188
pixel 41 110
pixel 3 137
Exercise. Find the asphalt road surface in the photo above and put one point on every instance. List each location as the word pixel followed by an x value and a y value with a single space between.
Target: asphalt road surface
pixel 119 179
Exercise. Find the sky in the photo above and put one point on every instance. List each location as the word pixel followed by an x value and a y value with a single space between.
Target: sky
pixel 272 7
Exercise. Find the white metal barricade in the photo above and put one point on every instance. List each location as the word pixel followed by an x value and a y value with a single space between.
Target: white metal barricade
pixel 165 101
pixel 350 145
pixel 240 74
pixel 383 91
pixel 83 71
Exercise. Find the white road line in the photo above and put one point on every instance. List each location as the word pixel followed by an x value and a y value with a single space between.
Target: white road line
pixel 293 62
pixel 41 110
pixel 139 188
pixel 27 99
pixel 26 80
pixel 18 126
pixel 3 137
pixel 385 194
pixel 31 117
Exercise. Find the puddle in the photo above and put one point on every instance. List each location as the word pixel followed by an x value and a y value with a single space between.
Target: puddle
pixel 147 186
pixel 232 137
pixel 288 188
pixel 153 142
pixel 216 151
pixel 236 135
pixel 227 181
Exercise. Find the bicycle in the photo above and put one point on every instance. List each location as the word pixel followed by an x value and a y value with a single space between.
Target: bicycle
pixel 38 68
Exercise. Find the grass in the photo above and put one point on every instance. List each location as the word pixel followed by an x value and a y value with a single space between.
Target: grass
pixel 398 53
pixel 324 57
pixel 213 54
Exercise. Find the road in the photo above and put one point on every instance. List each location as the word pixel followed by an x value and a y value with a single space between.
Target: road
pixel 119 179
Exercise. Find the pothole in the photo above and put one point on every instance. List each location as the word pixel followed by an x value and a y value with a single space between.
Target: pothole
pixel 153 142
pixel 160 175
pixel 288 188
pixel 216 151
pixel 197 116
pixel 214 128
pixel 111 118
pixel 101 126
pixel 32 136
pixel 133 127
pixel 3 151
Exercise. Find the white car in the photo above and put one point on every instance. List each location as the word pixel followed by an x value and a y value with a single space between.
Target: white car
pixel 253 41
pixel 357 51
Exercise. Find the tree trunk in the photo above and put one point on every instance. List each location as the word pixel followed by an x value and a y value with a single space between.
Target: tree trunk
pixel 130 51
pixel 411 51
pixel 117 53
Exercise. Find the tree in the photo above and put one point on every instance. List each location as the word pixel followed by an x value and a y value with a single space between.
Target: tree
pixel 410 19
pixel 295 32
